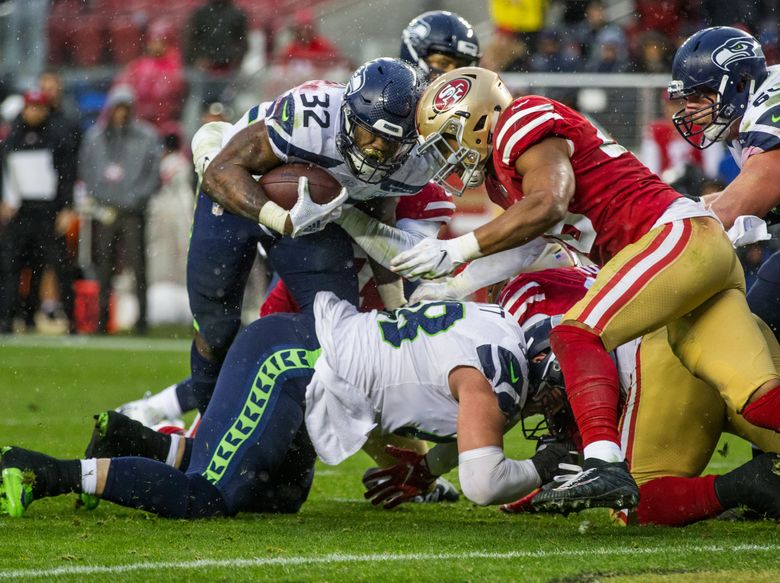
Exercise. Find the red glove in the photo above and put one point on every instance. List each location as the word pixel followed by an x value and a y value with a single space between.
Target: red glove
pixel 408 478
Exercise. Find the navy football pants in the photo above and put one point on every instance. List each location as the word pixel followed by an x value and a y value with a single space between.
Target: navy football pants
pixel 222 249
pixel 251 451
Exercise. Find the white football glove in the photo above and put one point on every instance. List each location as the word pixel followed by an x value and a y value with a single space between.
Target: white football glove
pixel 433 258
pixel 437 290
pixel 206 144
pixel 309 217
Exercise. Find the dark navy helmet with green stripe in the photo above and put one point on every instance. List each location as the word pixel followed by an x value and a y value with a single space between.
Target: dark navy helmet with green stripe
pixel 377 130
pixel 722 61
pixel 443 32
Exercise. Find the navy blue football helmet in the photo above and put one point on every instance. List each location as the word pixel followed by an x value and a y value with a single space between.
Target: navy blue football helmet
pixel 726 61
pixel 545 383
pixel 379 101
pixel 442 32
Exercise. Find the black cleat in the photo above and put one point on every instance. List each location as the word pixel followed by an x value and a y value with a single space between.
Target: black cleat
pixel 600 484
pixel 755 485
pixel 443 491
pixel 116 435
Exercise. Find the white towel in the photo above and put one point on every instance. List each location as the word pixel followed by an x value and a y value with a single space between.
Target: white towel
pixel 747 229
pixel 339 416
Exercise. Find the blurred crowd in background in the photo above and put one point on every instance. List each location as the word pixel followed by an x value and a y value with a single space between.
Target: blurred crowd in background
pixel 99 98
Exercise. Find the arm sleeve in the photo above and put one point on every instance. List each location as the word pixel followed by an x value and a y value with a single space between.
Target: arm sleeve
pixel 533 256
pixel 442 458
pixel 380 241
pixel 488 477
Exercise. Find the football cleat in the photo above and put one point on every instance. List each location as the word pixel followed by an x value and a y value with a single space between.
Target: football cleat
pixel 116 435
pixel 16 483
pixel 600 484
pixel 141 410
pixel 442 491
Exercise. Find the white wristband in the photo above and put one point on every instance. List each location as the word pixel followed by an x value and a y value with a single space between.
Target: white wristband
pixel 468 247
pixel 273 216
pixel 392 294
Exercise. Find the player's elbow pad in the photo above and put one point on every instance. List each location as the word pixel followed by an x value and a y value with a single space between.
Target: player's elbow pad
pixel 488 477
pixel 207 142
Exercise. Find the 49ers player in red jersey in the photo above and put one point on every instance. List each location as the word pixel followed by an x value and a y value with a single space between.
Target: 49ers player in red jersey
pixel 666 261
pixel 655 421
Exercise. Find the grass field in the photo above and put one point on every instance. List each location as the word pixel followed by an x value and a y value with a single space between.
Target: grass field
pixel 50 390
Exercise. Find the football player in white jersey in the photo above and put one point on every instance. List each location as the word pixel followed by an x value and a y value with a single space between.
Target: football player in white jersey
pixel 732 96
pixel 435 42
pixel 363 134
pixel 454 372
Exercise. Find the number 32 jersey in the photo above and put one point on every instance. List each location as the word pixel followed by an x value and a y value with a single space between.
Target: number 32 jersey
pixel 302 127
pixel 391 370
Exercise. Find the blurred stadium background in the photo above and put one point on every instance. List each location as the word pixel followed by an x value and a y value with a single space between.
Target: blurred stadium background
pixel 608 58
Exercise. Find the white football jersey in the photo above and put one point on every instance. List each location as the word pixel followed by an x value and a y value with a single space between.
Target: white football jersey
pixel 391 369
pixel 759 129
pixel 302 127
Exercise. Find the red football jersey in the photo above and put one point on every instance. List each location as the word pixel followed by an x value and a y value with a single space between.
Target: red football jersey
pixel 432 203
pixel 616 200
pixel 549 292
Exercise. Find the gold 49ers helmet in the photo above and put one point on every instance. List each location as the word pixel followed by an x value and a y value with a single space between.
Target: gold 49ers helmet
pixel 455 120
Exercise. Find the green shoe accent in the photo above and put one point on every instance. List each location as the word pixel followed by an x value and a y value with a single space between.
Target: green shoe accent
pixel 88 501
pixel 15 492
pixel 102 423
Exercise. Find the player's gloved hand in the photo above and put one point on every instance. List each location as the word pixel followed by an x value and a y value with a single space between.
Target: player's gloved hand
pixel 437 290
pixel 550 454
pixel 309 217
pixel 408 478
pixel 433 258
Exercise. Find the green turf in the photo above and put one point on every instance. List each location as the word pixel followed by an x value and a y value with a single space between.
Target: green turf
pixel 50 392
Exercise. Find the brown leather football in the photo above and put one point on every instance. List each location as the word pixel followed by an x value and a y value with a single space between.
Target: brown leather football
pixel 281 184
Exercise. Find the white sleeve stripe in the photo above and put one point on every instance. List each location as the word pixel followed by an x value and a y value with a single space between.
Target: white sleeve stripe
pixel 765 129
pixel 432 206
pixel 521 307
pixel 519 115
pixel 517 294
pixel 276 126
pixel 438 219
pixel 522 132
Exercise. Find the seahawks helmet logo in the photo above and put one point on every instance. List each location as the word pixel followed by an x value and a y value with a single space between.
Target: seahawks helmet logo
pixel 736 49
pixel 356 82
pixel 419 29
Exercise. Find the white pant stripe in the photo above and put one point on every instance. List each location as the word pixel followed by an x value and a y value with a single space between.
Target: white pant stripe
pixel 634 274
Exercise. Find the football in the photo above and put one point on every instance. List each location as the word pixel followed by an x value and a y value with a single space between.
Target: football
pixel 281 184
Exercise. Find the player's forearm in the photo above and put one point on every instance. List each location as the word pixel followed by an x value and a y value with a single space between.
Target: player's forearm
pixel 380 241
pixel 235 189
pixel 523 221
pixel 491 269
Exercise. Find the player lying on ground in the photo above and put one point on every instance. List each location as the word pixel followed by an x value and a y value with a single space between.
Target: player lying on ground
pixel 671 421
pixel 666 260
pixel 461 363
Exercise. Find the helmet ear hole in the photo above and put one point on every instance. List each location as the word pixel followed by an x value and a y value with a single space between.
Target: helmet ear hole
pixel 480 125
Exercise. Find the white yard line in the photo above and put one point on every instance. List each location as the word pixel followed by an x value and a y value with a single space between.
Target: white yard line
pixel 96 343
pixel 378 558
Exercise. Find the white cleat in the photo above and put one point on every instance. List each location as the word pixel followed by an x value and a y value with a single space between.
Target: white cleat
pixel 141 410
